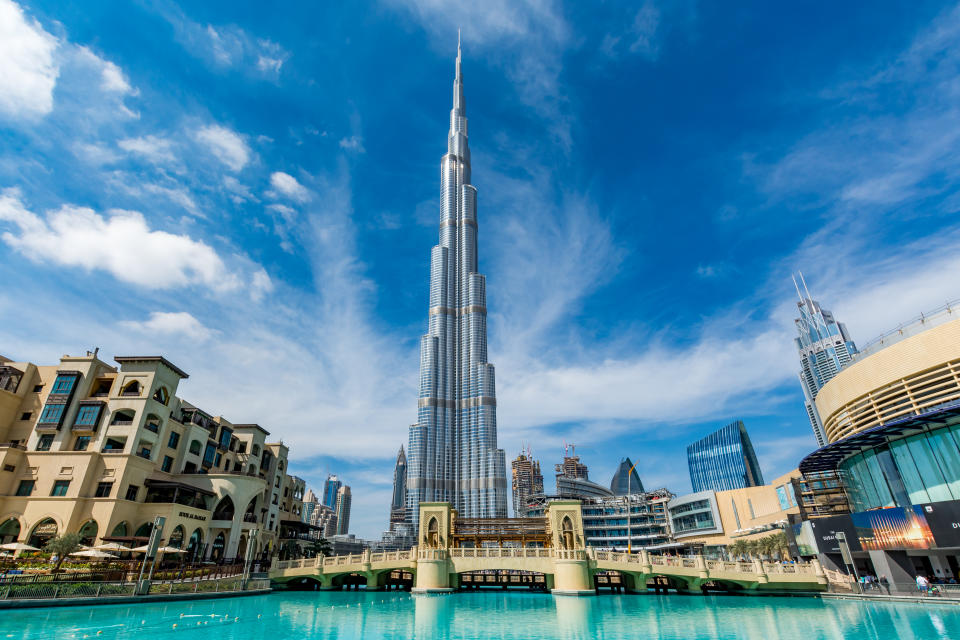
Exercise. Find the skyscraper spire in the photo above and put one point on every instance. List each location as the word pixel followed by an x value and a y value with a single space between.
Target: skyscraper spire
pixel 452 454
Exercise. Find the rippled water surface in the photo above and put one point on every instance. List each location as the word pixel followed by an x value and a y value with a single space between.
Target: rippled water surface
pixel 494 614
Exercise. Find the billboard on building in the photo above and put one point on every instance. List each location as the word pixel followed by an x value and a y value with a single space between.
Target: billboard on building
pixel 943 519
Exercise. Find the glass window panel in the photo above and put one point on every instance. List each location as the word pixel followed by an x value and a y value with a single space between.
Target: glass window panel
pixel 854 483
pixel 892 476
pixel 912 481
pixel 884 497
pixel 928 468
pixel 946 448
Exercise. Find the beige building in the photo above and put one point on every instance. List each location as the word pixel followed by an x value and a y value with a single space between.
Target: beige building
pixel 908 372
pixel 103 450
pixel 719 518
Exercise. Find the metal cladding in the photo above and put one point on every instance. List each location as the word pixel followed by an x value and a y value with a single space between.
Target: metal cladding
pixel 626 480
pixel 452 453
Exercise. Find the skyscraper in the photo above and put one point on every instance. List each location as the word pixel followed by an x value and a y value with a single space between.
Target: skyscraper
pixel 310 503
pixel 724 460
pixel 343 510
pixel 453 454
pixel 330 488
pixel 571 467
pixel 825 348
pixel 626 480
pixel 527 481
pixel 398 504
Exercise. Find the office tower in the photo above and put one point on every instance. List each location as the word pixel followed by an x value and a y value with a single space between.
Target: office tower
pixel 330 488
pixel 626 480
pixel 527 481
pixel 825 348
pixel 724 460
pixel 343 510
pixel 398 504
pixel 452 452
pixel 310 504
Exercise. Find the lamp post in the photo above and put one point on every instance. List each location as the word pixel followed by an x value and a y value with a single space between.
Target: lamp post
pixel 629 536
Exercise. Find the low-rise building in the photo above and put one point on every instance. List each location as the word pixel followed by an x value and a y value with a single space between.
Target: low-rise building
pixel 103 450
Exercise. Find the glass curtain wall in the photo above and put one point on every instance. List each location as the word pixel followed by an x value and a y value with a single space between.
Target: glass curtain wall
pixel 921 468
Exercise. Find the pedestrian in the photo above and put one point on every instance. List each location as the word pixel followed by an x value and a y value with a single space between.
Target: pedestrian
pixel 885 584
pixel 923 585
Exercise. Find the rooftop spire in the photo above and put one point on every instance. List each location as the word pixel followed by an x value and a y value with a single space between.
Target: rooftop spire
pixel 458 102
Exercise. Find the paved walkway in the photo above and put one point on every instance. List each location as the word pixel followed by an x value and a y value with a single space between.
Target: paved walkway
pixel 879 597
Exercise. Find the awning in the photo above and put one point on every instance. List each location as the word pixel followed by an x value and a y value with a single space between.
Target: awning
pixel 171 484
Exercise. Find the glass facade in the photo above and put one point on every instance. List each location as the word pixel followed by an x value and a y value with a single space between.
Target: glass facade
pixel 724 460
pixel 917 469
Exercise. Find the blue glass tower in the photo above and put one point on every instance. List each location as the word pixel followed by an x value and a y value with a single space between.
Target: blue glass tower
pixel 452 453
pixel 626 480
pixel 724 460
pixel 825 348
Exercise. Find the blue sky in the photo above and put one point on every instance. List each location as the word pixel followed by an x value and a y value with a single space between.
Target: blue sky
pixel 253 193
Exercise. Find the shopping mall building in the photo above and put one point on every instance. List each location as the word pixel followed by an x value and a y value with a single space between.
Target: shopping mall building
pixel 892 419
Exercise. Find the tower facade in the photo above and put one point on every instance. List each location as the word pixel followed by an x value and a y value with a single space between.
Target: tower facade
pixel 344 500
pixel 452 451
pixel 825 348
pixel 724 460
pixel 626 480
pixel 527 481
pixel 330 488
pixel 399 501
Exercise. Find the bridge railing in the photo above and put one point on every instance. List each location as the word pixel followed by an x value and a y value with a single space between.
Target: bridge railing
pixel 569 554
pixel 499 552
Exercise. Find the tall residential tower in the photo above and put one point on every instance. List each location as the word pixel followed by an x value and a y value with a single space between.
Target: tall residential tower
pixel 453 454
pixel 399 501
pixel 825 348
pixel 527 481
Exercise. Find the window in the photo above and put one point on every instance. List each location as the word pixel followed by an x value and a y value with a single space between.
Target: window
pixel 25 488
pixel 277 483
pixel 122 417
pixel 195 447
pixel 26 415
pixel 60 487
pixel 37 388
pixel 167 464
pixel 114 444
pixel 81 443
pixel 63 384
pixel 103 490
pixel 88 415
pixel 242 448
pixel 52 413
pixel 132 389
pixel 152 424
pixel 102 388
pixel 217 459
pixel 209 453
pixel 256 450
pixel 45 442
pixel 161 396
pixel 145 452
pixel 174 440
pixel 190 467
pixel 132 492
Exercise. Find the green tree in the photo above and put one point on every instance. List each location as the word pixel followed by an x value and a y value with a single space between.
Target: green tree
pixel 320 547
pixel 63 546
pixel 737 550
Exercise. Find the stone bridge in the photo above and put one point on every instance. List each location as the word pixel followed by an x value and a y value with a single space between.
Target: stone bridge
pixel 568 567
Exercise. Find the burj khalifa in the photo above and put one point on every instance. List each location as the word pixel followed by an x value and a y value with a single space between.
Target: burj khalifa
pixel 452 453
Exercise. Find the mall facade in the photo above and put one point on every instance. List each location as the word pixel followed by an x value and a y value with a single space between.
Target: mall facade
pixel 102 450
pixel 892 418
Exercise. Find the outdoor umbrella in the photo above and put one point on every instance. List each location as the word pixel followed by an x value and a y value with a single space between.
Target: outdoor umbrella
pixel 112 546
pixel 144 549
pixel 18 546
pixel 93 553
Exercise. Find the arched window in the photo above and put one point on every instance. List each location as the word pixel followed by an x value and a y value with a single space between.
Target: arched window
pixel 120 531
pixel 124 416
pixel 195 545
pixel 566 530
pixel 132 389
pixel 195 447
pixel 143 531
pixel 433 533
pixel 218 544
pixel 9 531
pixel 153 423
pixel 161 395
pixel 224 509
pixel 256 450
pixel 176 538
pixel 88 532
pixel 42 532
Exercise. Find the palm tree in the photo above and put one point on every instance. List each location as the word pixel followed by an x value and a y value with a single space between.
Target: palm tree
pixel 320 547
pixel 753 548
pixel 737 549
pixel 63 546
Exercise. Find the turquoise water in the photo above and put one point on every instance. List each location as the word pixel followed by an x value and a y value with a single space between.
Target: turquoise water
pixel 494 614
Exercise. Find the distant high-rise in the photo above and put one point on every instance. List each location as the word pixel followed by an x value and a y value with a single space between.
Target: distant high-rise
pixel 343 510
pixel 626 480
pixel 527 481
pixel 398 504
pixel 330 488
pixel 724 460
pixel 573 480
pixel 825 348
pixel 571 466
pixel 310 503
pixel 453 452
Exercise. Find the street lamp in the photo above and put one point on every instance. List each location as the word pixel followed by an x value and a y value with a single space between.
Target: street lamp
pixel 629 536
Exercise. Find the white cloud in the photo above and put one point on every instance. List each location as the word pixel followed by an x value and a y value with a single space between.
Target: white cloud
pixel 352 143
pixel 227 145
pixel 288 186
pixel 171 323
pixel 28 68
pixel 121 244
pixel 114 79
pixel 155 149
